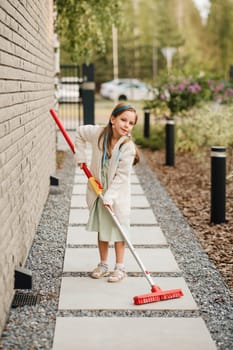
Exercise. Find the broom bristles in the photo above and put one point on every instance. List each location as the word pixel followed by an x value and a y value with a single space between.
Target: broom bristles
pixel 158 296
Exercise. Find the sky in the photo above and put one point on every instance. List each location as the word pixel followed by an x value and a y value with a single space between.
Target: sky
pixel 203 6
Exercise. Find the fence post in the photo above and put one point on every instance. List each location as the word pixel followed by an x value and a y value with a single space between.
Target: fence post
pixel 170 142
pixel 218 184
pixel 146 123
pixel 88 94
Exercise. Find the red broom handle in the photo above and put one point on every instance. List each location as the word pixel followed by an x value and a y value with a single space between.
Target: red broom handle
pixel 86 170
pixel 61 127
pixel 70 142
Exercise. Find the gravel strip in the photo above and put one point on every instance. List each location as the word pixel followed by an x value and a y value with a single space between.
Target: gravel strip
pixel 32 327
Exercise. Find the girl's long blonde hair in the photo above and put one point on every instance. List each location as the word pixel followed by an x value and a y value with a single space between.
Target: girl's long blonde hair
pixel 107 133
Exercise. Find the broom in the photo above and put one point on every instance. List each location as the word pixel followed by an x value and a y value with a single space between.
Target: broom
pixel 157 294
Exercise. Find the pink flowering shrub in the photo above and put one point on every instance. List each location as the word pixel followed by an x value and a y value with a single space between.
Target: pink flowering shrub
pixel 221 92
pixel 177 97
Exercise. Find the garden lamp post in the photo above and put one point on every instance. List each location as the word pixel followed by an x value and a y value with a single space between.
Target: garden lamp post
pixel 115 52
pixel 168 53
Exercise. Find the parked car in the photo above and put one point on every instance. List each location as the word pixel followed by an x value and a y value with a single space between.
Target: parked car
pixel 126 89
pixel 106 88
pixel 68 91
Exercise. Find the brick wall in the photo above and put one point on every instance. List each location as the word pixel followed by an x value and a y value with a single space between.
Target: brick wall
pixel 27 132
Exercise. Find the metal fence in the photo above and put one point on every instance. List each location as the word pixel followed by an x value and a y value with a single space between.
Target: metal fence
pixel 69 96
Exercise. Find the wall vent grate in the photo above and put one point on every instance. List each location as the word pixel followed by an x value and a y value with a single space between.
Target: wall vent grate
pixel 21 299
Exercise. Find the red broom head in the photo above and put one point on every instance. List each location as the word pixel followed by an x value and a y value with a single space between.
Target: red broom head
pixel 158 296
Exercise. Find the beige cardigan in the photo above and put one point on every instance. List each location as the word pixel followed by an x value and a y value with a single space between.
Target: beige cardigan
pixel 120 165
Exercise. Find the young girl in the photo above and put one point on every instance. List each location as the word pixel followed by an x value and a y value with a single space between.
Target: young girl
pixel 113 154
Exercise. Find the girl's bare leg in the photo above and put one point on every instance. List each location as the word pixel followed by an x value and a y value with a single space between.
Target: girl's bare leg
pixel 103 250
pixel 120 252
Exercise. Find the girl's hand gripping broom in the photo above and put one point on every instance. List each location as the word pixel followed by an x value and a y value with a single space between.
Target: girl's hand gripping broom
pixel 156 293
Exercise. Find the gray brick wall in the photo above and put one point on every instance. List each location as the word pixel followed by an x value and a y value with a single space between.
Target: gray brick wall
pixel 27 132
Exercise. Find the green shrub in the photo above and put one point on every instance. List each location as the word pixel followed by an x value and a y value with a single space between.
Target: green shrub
pixel 208 127
pixel 156 139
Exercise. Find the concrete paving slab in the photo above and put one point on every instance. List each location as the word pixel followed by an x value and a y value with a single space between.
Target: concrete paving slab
pixel 80 179
pixel 85 293
pixel 142 217
pixel 139 202
pixel 155 260
pixel 147 235
pixel 140 235
pixel 79 235
pixel 78 216
pixel 79 189
pixel 78 201
pixel 138 216
pixel 128 333
pixel 134 179
pixel 78 171
pixel 136 189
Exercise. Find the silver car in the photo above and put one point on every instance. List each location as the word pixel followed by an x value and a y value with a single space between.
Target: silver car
pixel 126 89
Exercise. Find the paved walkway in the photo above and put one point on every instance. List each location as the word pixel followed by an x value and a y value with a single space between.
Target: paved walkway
pixel 100 315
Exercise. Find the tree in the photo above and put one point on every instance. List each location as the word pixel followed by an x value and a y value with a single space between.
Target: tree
pixel 84 26
pixel 220 32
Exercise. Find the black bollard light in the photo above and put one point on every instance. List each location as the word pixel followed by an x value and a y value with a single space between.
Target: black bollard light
pixel 146 123
pixel 218 184
pixel 170 142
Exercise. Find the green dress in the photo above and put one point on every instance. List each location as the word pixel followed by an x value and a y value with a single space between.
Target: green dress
pixel 100 220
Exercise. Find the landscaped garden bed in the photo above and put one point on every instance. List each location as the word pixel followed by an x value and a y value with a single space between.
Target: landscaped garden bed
pixel 188 184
